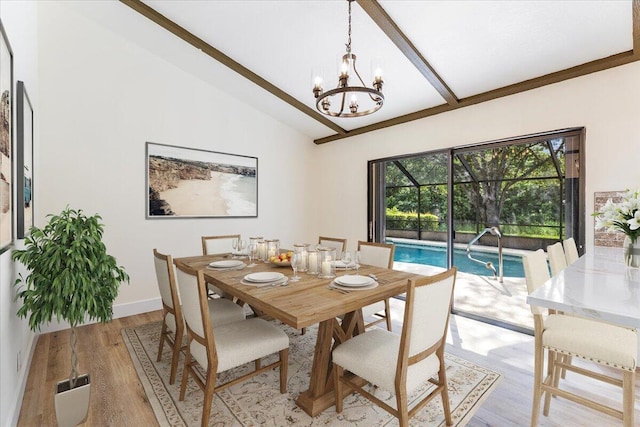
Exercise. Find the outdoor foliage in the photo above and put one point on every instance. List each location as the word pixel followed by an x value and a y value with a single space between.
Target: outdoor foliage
pixel 518 187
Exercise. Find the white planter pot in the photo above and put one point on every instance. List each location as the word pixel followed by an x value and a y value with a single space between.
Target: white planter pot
pixel 72 406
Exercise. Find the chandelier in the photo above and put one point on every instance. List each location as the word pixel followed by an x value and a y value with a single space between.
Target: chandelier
pixel 372 98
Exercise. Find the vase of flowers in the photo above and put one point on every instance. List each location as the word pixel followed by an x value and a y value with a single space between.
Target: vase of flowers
pixel 625 217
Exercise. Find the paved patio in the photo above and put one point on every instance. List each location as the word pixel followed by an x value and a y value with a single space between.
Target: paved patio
pixel 485 296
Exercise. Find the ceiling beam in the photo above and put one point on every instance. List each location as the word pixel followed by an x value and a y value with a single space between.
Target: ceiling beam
pixel 391 29
pixel 214 53
pixel 559 76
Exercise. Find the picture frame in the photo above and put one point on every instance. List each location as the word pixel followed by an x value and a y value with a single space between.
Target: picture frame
pixel 24 161
pixel 186 182
pixel 6 141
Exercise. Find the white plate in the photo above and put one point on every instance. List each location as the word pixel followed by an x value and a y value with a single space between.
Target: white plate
pixel 340 264
pixel 351 288
pixel 353 280
pixel 228 263
pixel 263 277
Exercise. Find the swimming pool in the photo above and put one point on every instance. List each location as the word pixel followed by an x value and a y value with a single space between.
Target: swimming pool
pixel 437 256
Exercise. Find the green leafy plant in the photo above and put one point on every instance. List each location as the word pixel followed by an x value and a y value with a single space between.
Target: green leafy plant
pixel 70 275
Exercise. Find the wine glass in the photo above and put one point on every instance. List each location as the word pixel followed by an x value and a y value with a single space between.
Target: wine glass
pixel 252 253
pixel 295 261
pixel 357 260
pixel 234 244
pixel 346 260
pixel 242 245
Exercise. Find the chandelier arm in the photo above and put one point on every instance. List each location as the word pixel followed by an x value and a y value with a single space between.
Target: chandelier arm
pixel 344 97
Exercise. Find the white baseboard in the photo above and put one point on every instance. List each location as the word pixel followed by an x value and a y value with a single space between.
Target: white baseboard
pixel 120 310
pixel 22 383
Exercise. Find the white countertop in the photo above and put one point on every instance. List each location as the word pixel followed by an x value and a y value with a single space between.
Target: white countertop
pixel 598 285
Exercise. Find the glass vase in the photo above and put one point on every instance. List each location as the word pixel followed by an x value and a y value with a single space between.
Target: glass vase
pixel 631 251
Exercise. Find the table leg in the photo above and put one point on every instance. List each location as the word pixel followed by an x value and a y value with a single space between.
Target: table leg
pixel 320 394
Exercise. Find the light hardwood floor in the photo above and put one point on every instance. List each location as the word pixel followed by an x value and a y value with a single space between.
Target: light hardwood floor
pixel 118 399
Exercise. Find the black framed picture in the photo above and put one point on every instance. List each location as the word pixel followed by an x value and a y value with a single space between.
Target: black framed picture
pixel 6 137
pixel 188 182
pixel 24 161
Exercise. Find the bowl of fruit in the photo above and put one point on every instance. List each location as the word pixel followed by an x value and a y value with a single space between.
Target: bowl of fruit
pixel 282 260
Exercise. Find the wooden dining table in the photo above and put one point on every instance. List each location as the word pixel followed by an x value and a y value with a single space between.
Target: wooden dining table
pixel 308 302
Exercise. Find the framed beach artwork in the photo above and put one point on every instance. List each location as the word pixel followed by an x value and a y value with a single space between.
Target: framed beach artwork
pixel 24 161
pixel 193 183
pixel 6 156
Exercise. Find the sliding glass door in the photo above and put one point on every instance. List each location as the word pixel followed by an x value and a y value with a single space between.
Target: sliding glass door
pixel 480 208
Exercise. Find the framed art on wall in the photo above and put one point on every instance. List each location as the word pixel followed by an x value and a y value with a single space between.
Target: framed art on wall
pixel 24 161
pixel 194 183
pixel 6 156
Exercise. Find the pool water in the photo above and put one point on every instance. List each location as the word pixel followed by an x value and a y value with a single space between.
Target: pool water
pixel 437 256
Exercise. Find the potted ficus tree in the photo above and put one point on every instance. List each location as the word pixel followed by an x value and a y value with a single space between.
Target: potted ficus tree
pixel 72 278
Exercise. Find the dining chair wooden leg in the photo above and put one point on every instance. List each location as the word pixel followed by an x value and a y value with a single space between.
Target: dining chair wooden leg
pixel 185 373
pixel 446 406
pixel 628 398
pixel 387 313
pixel 338 371
pixel 403 408
pixel 209 389
pixel 552 379
pixel 163 332
pixel 175 360
pixel 537 379
pixel 284 366
pixel 258 364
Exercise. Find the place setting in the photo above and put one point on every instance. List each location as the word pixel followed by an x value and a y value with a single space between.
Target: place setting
pixel 353 282
pixel 264 279
pixel 226 265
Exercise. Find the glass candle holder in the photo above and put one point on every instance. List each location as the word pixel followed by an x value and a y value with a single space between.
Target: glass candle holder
pixel 273 248
pixel 327 261
pixel 262 250
pixel 302 250
pixel 313 261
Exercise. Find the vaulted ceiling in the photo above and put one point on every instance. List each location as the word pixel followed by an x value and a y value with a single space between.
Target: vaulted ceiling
pixel 437 55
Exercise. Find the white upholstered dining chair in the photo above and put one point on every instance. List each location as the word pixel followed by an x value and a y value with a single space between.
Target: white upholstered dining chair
pixel 218 245
pixel 221 310
pixel 557 259
pixel 218 348
pixel 338 244
pixel 380 255
pixel 570 250
pixel 401 363
pixel 597 342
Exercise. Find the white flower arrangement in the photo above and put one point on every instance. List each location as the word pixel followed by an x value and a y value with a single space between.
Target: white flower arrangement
pixel 623 216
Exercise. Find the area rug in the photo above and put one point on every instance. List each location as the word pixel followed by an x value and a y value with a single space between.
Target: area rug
pixel 258 401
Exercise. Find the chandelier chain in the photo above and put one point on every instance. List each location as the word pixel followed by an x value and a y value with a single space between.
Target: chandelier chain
pixel 349 37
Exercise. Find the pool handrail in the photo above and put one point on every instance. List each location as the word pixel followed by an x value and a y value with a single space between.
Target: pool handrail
pixel 496 232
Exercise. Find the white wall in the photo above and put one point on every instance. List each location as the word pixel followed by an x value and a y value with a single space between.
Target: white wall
pixel 19 20
pixel 105 97
pixel 607 104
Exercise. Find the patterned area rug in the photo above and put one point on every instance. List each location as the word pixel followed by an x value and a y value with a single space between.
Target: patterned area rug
pixel 258 401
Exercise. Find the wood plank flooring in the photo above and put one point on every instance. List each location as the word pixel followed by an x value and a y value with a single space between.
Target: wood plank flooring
pixel 117 398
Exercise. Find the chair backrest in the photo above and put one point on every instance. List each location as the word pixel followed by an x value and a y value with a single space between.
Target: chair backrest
pixel 212 245
pixel 536 272
pixel 426 317
pixel 165 277
pixel 557 260
pixel 195 310
pixel 378 254
pixel 570 250
pixel 333 242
